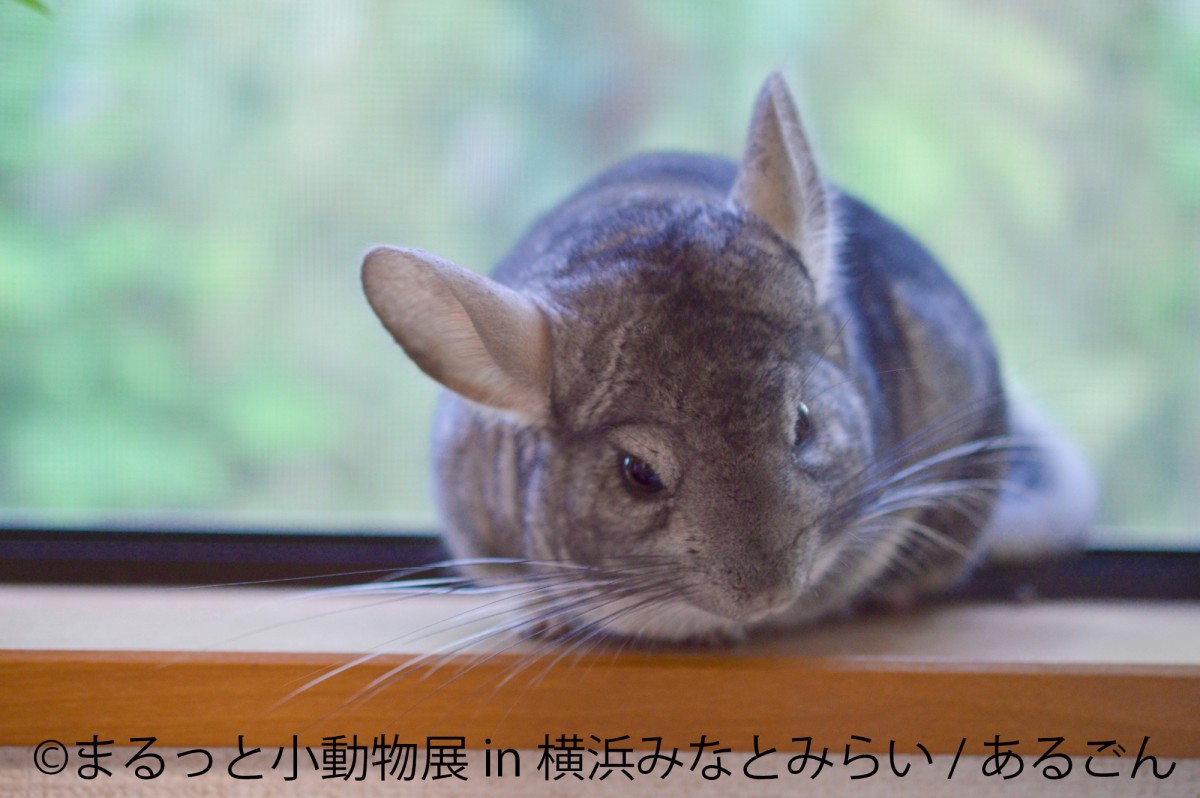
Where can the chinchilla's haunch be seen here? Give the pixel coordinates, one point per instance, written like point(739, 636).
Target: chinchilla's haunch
point(700, 397)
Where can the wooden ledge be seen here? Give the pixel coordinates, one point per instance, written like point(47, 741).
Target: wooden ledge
point(1081, 671)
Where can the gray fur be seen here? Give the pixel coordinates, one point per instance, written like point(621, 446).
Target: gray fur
point(679, 309)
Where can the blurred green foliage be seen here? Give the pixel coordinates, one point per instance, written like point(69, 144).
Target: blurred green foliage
point(36, 5)
point(186, 189)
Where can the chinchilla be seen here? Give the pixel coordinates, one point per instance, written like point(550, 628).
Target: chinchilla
point(700, 397)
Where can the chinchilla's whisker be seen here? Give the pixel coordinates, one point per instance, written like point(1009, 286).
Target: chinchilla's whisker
point(300, 579)
point(900, 490)
point(537, 593)
point(460, 619)
point(391, 592)
point(522, 567)
point(459, 585)
point(835, 338)
point(382, 682)
point(934, 435)
point(880, 560)
point(358, 607)
point(582, 638)
point(995, 449)
point(519, 624)
point(987, 452)
point(908, 558)
point(318, 593)
point(644, 595)
point(584, 628)
point(435, 660)
point(833, 386)
point(517, 594)
point(568, 604)
point(325, 676)
point(592, 636)
point(451, 584)
point(912, 460)
point(934, 496)
point(968, 507)
point(389, 574)
point(381, 649)
point(424, 587)
point(926, 533)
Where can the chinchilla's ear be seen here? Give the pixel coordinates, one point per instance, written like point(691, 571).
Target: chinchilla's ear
point(779, 180)
point(484, 341)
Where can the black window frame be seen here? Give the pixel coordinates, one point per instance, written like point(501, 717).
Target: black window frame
point(283, 558)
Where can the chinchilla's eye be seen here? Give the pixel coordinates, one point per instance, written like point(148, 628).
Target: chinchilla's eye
point(804, 424)
point(639, 475)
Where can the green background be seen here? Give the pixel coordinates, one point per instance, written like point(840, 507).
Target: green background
point(186, 190)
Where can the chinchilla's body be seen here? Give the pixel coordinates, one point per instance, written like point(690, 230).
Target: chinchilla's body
point(700, 397)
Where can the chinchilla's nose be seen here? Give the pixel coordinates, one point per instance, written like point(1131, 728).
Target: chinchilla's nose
point(758, 586)
point(746, 520)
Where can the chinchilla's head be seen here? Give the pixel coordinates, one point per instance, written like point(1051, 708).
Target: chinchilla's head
point(673, 387)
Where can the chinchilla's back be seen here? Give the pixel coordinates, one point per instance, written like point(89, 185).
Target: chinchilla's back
point(596, 215)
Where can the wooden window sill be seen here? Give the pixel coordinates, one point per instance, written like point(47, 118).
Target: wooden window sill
point(200, 667)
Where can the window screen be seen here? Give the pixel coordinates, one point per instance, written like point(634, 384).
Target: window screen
point(186, 190)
